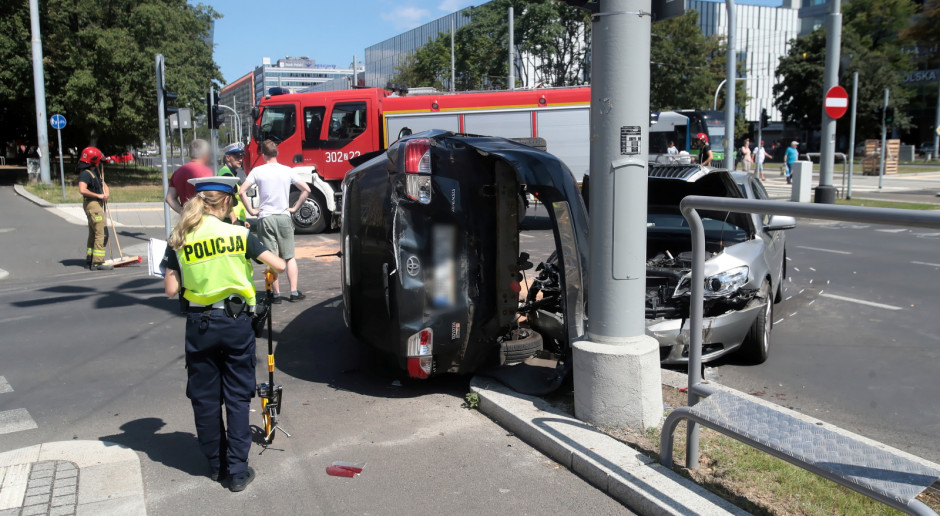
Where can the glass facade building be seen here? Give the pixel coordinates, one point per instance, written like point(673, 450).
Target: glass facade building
point(294, 75)
point(383, 58)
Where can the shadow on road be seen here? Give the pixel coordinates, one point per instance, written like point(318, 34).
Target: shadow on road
point(317, 347)
point(12, 175)
point(132, 292)
point(178, 450)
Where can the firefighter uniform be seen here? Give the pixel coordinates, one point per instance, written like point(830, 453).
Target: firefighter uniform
point(90, 175)
point(216, 275)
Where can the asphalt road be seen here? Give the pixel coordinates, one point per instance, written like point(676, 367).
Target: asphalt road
point(99, 355)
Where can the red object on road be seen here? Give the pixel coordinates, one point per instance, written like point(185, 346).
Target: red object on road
point(344, 469)
point(836, 102)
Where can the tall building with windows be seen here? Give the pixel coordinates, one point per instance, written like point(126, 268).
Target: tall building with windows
point(239, 95)
point(762, 37)
point(294, 74)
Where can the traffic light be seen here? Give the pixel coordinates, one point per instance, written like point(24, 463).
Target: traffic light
point(889, 115)
point(764, 118)
point(168, 98)
point(215, 114)
point(878, 114)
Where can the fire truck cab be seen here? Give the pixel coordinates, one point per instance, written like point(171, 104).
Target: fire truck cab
point(318, 133)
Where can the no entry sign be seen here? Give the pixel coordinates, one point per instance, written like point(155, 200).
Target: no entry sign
point(836, 102)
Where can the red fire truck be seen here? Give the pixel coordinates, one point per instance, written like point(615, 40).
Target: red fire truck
point(318, 133)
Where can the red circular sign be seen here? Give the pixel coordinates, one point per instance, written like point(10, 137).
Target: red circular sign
point(836, 102)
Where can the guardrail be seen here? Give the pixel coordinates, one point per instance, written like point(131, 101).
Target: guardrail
point(871, 471)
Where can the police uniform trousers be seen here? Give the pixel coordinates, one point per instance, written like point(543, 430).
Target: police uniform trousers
point(220, 360)
point(97, 232)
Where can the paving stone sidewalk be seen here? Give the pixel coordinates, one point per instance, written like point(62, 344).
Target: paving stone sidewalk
point(71, 478)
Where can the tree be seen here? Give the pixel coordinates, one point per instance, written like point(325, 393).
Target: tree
point(926, 27)
point(426, 66)
point(871, 43)
point(99, 65)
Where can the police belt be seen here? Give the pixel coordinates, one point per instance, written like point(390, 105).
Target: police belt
point(233, 301)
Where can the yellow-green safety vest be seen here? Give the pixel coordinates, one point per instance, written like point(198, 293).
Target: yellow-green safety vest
point(239, 210)
point(213, 264)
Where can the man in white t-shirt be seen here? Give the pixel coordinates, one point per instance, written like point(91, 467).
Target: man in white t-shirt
point(275, 229)
point(759, 156)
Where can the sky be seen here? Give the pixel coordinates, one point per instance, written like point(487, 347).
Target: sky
point(327, 31)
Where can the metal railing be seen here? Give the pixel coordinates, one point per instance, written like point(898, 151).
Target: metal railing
point(698, 390)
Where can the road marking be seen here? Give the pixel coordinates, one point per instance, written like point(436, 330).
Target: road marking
point(12, 319)
point(899, 230)
point(5, 386)
point(797, 270)
point(523, 235)
point(778, 322)
point(812, 269)
point(928, 264)
point(16, 420)
point(6, 230)
point(861, 301)
point(833, 251)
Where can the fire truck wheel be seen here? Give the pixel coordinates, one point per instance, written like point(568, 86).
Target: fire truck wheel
point(312, 216)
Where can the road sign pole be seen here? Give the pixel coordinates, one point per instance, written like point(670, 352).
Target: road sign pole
point(161, 122)
point(617, 379)
point(825, 192)
point(936, 128)
point(61, 163)
point(884, 138)
point(848, 191)
point(731, 71)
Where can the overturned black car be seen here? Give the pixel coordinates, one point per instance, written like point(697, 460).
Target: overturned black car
point(432, 271)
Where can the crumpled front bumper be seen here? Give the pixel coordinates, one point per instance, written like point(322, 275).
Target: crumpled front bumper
point(722, 335)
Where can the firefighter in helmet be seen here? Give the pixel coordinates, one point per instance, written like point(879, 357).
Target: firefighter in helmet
point(95, 193)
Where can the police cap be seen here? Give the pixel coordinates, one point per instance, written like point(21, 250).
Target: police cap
point(225, 184)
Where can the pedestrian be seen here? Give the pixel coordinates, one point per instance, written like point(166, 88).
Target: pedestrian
point(792, 155)
point(759, 156)
point(232, 157)
point(211, 258)
point(746, 157)
point(704, 150)
point(672, 150)
point(274, 212)
point(95, 193)
point(180, 191)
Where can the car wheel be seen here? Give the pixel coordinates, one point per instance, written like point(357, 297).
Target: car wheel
point(756, 346)
point(523, 345)
point(312, 216)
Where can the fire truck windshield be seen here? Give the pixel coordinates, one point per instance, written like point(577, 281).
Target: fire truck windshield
point(278, 123)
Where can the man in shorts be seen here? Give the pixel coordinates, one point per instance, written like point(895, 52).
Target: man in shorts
point(275, 228)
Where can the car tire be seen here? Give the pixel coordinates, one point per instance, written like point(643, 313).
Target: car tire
point(312, 216)
point(523, 345)
point(756, 345)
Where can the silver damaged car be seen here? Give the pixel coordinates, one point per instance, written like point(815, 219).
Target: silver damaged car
point(745, 266)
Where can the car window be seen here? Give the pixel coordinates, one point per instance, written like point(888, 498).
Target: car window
point(278, 123)
point(347, 121)
point(313, 124)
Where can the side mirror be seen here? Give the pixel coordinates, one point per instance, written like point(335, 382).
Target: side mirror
point(255, 113)
point(779, 222)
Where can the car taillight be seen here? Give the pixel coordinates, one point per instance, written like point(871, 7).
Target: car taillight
point(420, 348)
point(418, 162)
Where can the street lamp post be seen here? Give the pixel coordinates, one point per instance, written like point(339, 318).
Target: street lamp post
point(718, 90)
point(238, 124)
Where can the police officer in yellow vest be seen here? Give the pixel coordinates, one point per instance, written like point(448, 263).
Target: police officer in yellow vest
point(211, 260)
point(232, 156)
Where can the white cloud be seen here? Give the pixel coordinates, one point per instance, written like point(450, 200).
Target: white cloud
point(406, 17)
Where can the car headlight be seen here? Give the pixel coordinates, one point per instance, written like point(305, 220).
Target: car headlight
point(718, 285)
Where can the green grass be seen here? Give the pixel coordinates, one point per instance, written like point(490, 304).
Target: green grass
point(888, 204)
point(128, 183)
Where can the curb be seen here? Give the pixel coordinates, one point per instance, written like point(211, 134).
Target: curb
point(613, 467)
point(21, 191)
point(72, 477)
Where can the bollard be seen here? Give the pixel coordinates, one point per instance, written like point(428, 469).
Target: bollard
point(802, 181)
